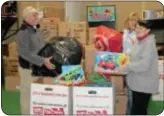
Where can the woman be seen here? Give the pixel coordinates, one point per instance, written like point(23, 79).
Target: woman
point(129, 39)
point(129, 34)
point(142, 71)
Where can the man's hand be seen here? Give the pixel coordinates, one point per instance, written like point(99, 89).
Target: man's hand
point(48, 64)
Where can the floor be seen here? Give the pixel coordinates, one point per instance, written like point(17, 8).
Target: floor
point(10, 104)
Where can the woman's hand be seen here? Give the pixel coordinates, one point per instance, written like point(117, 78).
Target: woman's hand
point(122, 68)
point(48, 63)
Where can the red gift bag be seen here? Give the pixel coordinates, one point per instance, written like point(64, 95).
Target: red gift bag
point(107, 39)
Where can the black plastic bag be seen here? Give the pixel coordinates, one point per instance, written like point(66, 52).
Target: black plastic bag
point(64, 50)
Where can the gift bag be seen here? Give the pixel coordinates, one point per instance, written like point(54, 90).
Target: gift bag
point(107, 39)
point(50, 100)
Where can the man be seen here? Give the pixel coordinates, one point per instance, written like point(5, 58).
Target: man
point(29, 42)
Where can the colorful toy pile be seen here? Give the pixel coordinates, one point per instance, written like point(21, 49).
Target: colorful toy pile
point(72, 75)
point(108, 62)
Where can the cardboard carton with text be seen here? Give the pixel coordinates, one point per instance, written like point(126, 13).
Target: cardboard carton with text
point(50, 100)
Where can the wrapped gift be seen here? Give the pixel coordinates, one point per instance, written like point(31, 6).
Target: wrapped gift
point(108, 62)
point(107, 39)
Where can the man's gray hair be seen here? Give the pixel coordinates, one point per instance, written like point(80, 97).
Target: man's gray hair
point(29, 11)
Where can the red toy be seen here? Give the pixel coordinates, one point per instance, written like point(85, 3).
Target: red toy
point(106, 65)
point(107, 39)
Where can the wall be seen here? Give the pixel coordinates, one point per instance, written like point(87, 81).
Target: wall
point(152, 5)
point(123, 9)
point(72, 11)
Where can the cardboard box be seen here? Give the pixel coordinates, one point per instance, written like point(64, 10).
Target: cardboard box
point(65, 29)
point(49, 27)
point(74, 29)
point(83, 64)
point(12, 73)
point(93, 100)
point(90, 53)
point(50, 100)
point(4, 66)
point(120, 106)
point(48, 80)
point(91, 33)
point(12, 83)
point(80, 32)
point(118, 83)
point(12, 67)
point(54, 12)
point(83, 48)
point(12, 45)
point(12, 48)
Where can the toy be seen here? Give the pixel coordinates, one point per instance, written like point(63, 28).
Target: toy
point(105, 84)
point(71, 75)
point(107, 39)
point(107, 62)
point(95, 77)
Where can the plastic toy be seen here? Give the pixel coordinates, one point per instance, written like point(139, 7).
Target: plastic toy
point(105, 84)
point(95, 77)
point(71, 75)
point(107, 62)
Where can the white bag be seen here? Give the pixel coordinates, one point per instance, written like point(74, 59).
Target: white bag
point(50, 100)
point(93, 100)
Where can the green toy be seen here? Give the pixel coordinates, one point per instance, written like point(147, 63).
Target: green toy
point(97, 78)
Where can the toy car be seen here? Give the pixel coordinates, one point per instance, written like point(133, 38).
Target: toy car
point(106, 65)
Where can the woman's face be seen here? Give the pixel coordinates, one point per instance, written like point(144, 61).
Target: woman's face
point(132, 24)
point(141, 31)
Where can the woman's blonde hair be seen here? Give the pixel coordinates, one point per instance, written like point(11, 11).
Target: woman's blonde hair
point(132, 16)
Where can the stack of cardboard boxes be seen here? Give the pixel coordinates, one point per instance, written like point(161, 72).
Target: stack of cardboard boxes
point(12, 79)
point(54, 12)
point(49, 27)
point(74, 29)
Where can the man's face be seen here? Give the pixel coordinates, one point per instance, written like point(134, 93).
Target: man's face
point(33, 19)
